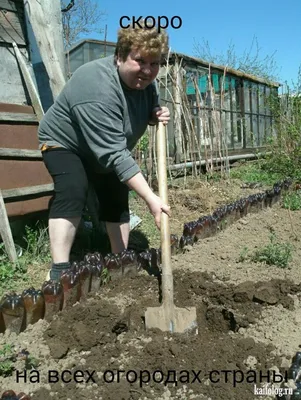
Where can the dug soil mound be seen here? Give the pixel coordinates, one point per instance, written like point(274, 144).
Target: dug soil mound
point(108, 334)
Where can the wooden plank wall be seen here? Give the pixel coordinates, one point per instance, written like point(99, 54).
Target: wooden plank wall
point(12, 29)
point(25, 183)
point(12, 23)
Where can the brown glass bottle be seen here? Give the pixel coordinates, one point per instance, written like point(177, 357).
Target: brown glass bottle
point(8, 395)
point(13, 312)
point(200, 233)
point(70, 282)
point(113, 264)
point(23, 396)
point(53, 297)
point(129, 264)
point(189, 229)
point(84, 272)
point(96, 277)
point(207, 227)
point(2, 324)
point(144, 260)
point(156, 258)
point(93, 258)
point(269, 197)
point(34, 305)
point(174, 244)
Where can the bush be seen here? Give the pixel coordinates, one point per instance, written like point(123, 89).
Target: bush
point(35, 251)
point(292, 201)
point(284, 146)
point(275, 253)
point(6, 360)
point(9, 355)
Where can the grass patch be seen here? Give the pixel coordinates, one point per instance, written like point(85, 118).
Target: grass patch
point(35, 251)
point(253, 172)
point(6, 360)
point(275, 253)
point(9, 355)
point(243, 254)
point(292, 201)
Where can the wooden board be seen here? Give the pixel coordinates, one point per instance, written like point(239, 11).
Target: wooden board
point(30, 85)
point(16, 108)
point(49, 48)
point(17, 117)
point(8, 5)
point(20, 153)
point(11, 88)
point(27, 191)
point(12, 28)
point(5, 232)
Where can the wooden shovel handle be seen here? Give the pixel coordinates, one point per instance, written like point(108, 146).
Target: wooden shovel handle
point(167, 280)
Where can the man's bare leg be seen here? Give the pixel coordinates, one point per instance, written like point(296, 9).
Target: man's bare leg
point(119, 235)
point(62, 233)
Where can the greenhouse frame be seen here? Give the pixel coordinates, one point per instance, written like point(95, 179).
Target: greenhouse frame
point(214, 109)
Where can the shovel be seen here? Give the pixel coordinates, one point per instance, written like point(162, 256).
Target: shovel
point(167, 317)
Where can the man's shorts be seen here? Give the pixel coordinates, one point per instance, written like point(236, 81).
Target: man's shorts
point(71, 181)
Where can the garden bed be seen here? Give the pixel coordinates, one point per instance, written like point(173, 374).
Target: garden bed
point(248, 318)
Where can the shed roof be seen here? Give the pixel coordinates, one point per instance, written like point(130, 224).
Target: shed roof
point(191, 61)
point(195, 62)
point(83, 41)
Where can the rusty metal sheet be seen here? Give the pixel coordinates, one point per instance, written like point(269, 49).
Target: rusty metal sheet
point(19, 136)
point(24, 208)
point(18, 173)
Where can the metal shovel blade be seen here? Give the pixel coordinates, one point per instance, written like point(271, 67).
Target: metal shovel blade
point(177, 320)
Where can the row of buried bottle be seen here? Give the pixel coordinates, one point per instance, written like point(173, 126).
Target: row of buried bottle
point(18, 311)
point(223, 216)
point(11, 395)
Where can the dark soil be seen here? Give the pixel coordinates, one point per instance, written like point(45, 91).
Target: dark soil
point(248, 314)
point(116, 339)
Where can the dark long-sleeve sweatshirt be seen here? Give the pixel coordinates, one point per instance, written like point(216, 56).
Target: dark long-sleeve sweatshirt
point(99, 118)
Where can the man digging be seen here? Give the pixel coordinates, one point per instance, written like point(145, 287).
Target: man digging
point(87, 136)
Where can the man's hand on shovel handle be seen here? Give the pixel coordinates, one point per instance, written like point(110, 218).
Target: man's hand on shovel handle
point(160, 114)
point(156, 207)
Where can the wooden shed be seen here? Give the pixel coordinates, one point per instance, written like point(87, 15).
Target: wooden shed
point(22, 171)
